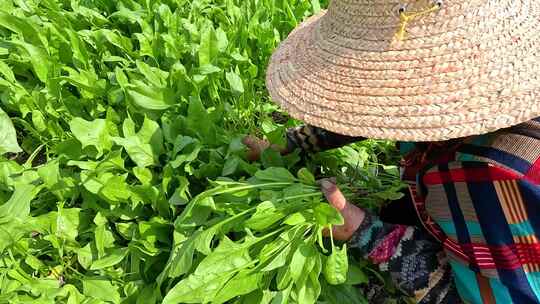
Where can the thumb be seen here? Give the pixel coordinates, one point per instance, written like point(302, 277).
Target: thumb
point(333, 194)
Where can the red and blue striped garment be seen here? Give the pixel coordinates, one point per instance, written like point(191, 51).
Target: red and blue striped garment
point(480, 199)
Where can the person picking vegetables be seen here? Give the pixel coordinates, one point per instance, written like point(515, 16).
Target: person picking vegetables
point(456, 84)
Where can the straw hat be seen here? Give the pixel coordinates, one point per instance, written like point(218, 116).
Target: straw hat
point(412, 70)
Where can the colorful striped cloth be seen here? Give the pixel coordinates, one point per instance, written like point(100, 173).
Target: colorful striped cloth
point(480, 200)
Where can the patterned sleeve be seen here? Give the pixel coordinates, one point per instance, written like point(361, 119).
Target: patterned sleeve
point(314, 139)
point(416, 262)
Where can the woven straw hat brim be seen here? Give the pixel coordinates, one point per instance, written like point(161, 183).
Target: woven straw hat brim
point(468, 69)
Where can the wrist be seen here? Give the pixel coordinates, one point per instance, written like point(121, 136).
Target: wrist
point(354, 217)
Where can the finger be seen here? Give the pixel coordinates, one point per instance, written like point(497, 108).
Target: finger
point(255, 143)
point(250, 142)
point(252, 155)
point(333, 194)
point(326, 232)
point(338, 232)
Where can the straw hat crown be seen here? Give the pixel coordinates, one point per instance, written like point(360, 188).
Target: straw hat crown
point(412, 70)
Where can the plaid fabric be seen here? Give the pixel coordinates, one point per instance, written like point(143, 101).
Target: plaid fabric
point(481, 201)
point(486, 200)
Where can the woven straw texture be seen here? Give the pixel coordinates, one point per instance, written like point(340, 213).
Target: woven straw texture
point(468, 68)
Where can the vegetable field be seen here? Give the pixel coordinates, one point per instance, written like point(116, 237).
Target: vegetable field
point(123, 178)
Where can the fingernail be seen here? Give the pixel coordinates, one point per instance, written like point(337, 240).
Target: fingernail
point(327, 185)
